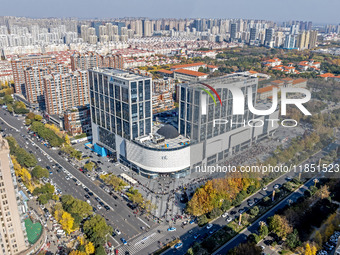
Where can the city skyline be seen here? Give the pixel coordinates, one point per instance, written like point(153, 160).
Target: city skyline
point(276, 11)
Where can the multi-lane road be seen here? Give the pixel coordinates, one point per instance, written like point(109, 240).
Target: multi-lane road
point(119, 216)
point(134, 229)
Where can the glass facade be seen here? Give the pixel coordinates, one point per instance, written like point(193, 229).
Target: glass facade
point(121, 105)
point(199, 127)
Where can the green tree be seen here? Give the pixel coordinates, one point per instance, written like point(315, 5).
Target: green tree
point(254, 211)
point(293, 240)
point(8, 99)
point(202, 220)
point(100, 250)
point(96, 229)
point(39, 172)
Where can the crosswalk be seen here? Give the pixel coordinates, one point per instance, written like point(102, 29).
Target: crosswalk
point(141, 242)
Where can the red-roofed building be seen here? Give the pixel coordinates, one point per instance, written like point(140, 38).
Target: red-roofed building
point(166, 73)
point(192, 67)
point(272, 62)
point(188, 75)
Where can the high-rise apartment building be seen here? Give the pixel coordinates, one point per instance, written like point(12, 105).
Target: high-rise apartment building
point(13, 237)
point(85, 61)
point(20, 64)
point(34, 82)
point(65, 91)
point(269, 36)
point(313, 38)
point(233, 31)
point(92, 60)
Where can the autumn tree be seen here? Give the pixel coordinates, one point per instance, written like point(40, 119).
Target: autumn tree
point(279, 225)
point(66, 222)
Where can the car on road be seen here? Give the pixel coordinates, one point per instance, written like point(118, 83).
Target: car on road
point(209, 226)
point(123, 241)
point(171, 229)
point(107, 208)
point(197, 236)
point(224, 214)
point(229, 219)
point(67, 178)
point(90, 193)
point(241, 210)
point(101, 203)
point(87, 196)
point(88, 201)
point(39, 159)
point(178, 245)
point(86, 189)
point(264, 188)
point(251, 203)
point(276, 186)
point(97, 199)
point(192, 222)
point(99, 207)
point(117, 231)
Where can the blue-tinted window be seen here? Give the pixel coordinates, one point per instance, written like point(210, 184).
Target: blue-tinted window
point(100, 84)
point(147, 126)
point(147, 109)
point(141, 127)
point(140, 90)
point(134, 130)
point(125, 95)
point(105, 85)
point(133, 92)
point(141, 111)
point(112, 106)
point(111, 90)
point(119, 126)
point(147, 90)
point(126, 130)
point(118, 109)
point(134, 112)
point(95, 82)
point(125, 111)
point(90, 80)
point(117, 92)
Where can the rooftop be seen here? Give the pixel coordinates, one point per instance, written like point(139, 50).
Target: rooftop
point(189, 72)
point(163, 136)
point(119, 73)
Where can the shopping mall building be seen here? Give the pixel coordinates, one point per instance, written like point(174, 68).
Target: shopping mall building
point(122, 123)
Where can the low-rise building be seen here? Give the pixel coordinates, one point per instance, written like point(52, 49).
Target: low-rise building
point(188, 75)
point(78, 120)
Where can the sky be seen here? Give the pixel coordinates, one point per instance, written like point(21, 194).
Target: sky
point(318, 11)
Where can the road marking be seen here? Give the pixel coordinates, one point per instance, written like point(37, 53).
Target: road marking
point(143, 222)
point(9, 125)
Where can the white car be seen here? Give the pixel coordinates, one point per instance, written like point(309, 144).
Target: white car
point(224, 214)
point(264, 188)
point(209, 226)
point(276, 186)
point(117, 231)
point(88, 201)
point(99, 207)
point(39, 159)
point(67, 178)
point(229, 219)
